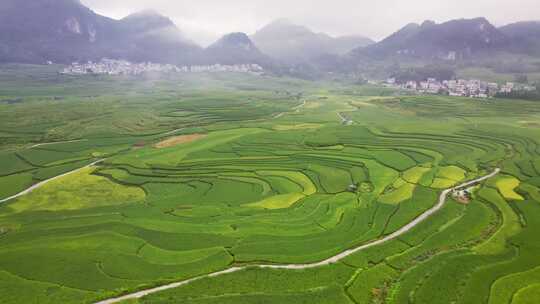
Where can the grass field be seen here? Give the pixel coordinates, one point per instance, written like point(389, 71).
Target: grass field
point(204, 172)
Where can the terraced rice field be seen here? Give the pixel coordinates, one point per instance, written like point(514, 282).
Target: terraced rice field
point(274, 180)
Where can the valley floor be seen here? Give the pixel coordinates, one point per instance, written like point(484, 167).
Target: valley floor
point(254, 190)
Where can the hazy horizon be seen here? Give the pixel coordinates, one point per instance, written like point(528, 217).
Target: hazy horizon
point(206, 20)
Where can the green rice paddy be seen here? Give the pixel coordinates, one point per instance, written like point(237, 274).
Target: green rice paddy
point(275, 181)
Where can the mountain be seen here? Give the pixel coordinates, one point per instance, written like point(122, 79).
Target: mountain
point(235, 48)
point(149, 36)
point(344, 44)
point(452, 40)
point(39, 30)
point(524, 29)
point(147, 20)
point(525, 34)
point(35, 31)
point(291, 43)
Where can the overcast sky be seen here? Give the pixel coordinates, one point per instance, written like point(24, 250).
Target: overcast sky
point(204, 20)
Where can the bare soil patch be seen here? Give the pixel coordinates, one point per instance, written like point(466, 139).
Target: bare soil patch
point(178, 140)
point(530, 124)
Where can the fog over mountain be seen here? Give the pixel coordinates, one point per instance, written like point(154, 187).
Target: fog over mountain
point(293, 44)
point(206, 20)
point(235, 48)
point(450, 40)
point(64, 31)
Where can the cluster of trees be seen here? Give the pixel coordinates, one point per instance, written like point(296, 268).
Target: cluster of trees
point(439, 72)
point(522, 94)
point(525, 95)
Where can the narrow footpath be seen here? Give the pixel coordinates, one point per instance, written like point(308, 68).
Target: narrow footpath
point(42, 183)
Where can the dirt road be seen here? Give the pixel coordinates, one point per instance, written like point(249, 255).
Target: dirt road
point(40, 184)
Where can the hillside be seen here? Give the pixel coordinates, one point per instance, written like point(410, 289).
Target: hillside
point(452, 40)
point(291, 43)
point(526, 35)
point(235, 48)
point(63, 30)
point(35, 31)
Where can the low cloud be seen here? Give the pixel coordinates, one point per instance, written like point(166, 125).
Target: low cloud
point(205, 20)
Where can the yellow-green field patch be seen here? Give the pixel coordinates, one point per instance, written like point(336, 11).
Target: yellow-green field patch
point(313, 105)
point(398, 195)
point(527, 295)
point(307, 185)
point(507, 187)
point(452, 173)
point(78, 190)
point(278, 201)
point(399, 182)
point(414, 174)
point(304, 126)
point(442, 183)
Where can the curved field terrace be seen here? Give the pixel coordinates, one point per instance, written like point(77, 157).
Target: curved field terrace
point(270, 192)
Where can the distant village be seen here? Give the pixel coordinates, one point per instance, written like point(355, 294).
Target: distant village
point(122, 67)
point(460, 87)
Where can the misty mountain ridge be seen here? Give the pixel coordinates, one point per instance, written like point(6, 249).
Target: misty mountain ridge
point(525, 35)
point(452, 40)
point(524, 29)
point(235, 48)
point(63, 31)
point(32, 31)
point(35, 31)
point(291, 43)
point(235, 40)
